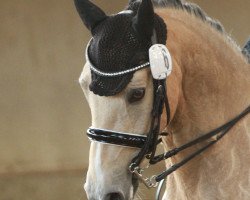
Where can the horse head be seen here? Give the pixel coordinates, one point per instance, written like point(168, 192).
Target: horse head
point(127, 100)
point(121, 103)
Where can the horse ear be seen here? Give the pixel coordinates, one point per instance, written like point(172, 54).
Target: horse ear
point(143, 21)
point(90, 14)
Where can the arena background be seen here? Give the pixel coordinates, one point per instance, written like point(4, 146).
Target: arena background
point(43, 148)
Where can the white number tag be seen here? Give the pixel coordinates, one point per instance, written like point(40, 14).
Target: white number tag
point(160, 61)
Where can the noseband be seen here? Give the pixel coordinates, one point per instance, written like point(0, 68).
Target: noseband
point(161, 65)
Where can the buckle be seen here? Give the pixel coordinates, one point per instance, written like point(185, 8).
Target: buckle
point(149, 182)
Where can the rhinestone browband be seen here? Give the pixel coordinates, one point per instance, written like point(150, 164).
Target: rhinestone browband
point(112, 74)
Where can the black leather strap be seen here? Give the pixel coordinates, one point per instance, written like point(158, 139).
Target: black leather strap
point(218, 132)
point(116, 138)
point(151, 143)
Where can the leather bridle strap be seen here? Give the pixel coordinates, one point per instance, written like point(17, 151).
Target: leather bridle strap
point(219, 132)
point(160, 99)
point(148, 143)
point(116, 138)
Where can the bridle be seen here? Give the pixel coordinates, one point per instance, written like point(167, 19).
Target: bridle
point(148, 143)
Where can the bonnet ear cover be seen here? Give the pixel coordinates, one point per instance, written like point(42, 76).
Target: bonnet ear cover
point(90, 14)
point(120, 42)
point(143, 22)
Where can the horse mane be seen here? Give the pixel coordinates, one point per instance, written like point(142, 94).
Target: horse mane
point(196, 11)
point(191, 8)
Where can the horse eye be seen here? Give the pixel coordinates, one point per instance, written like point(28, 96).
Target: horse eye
point(135, 94)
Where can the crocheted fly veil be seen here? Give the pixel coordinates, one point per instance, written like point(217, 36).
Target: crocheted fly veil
point(120, 42)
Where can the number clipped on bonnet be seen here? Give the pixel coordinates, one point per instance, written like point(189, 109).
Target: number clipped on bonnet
point(160, 61)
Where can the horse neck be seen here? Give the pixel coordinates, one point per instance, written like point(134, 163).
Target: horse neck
point(214, 88)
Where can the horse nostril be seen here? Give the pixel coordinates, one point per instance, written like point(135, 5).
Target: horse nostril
point(114, 196)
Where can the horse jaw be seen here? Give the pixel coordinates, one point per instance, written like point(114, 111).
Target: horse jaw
point(108, 164)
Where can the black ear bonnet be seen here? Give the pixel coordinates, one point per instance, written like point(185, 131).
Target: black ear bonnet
point(119, 44)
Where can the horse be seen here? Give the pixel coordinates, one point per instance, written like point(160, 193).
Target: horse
point(207, 87)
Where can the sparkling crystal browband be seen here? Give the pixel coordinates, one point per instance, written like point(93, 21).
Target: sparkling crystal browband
point(112, 74)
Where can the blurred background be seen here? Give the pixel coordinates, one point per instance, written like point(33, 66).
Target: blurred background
point(43, 147)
